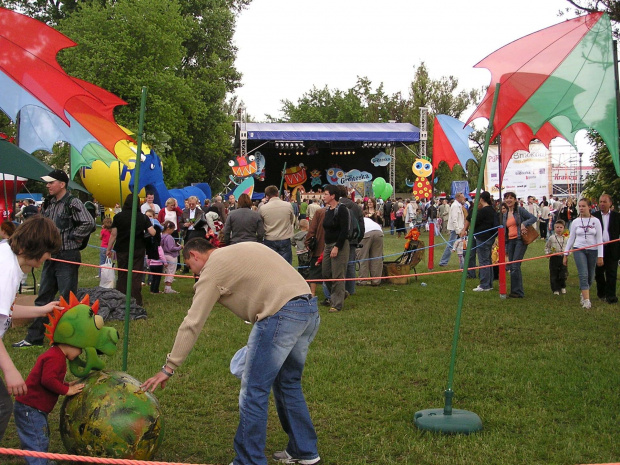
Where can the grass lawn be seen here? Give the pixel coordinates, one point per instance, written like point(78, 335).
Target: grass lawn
point(541, 372)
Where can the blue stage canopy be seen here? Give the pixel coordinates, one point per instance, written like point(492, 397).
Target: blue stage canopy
point(362, 132)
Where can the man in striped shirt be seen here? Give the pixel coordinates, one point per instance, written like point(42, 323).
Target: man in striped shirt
point(75, 225)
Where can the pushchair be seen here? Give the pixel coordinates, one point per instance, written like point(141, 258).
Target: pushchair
point(413, 254)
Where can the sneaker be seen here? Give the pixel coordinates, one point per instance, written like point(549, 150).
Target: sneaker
point(556, 293)
point(586, 304)
point(284, 457)
point(331, 310)
point(23, 344)
point(481, 289)
point(169, 290)
point(326, 303)
point(563, 291)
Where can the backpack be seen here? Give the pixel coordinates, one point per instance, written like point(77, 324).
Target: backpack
point(353, 233)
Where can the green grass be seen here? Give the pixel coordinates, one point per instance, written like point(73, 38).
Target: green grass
point(541, 372)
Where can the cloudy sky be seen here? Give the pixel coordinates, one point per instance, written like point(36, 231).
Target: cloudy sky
point(288, 46)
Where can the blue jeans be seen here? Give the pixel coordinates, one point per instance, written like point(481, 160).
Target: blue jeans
point(102, 258)
point(586, 267)
point(515, 248)
point(282, 248)
point(56, 277)
point(484, 249)
point(276, 355)
point(33, 431)
point(445, 258)
point(349, 286)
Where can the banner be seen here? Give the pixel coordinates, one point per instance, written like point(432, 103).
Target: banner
point(527, 173)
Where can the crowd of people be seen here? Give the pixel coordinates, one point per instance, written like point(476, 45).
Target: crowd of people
point(331, 233)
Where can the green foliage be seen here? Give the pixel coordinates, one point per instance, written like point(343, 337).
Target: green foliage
point(541, 373)
point(363, 104)
point(604, 179)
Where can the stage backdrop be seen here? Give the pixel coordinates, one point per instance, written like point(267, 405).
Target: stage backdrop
point(527, 173)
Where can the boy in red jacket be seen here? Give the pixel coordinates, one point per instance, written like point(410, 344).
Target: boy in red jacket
point(45, 383)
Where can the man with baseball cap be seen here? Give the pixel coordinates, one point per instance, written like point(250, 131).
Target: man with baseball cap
point(75, 225)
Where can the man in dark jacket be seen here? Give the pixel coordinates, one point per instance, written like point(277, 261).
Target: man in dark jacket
point(120, 237)
point(606, 275)
point(358, 214)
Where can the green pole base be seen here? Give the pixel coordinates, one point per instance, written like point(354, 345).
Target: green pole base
point(459, 422)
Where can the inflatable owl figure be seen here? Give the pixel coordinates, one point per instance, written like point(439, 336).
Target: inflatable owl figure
point(422, 188)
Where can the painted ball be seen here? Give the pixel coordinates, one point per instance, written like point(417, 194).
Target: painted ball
point(111, 417)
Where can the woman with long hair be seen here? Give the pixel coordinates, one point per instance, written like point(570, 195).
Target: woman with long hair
point(515, 221)
point(585, 233)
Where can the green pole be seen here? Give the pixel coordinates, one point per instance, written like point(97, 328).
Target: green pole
point(448, 420)
point(282, 180)
point(132, 234)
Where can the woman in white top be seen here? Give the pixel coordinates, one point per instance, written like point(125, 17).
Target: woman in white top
point(585, 231)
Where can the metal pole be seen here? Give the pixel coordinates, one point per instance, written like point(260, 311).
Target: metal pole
point(579, 194)
point(132, 234)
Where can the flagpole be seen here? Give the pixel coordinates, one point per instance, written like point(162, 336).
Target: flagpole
point(449, 420)
point(615, 55)
point(132, 234)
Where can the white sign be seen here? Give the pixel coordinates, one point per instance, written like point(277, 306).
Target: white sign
point(527, 173)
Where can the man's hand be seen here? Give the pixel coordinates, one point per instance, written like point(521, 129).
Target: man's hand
point(565, 260)
point(75, 389)
point(14, 382)
point(334, 252)
point(599, 261)
point(151, 384)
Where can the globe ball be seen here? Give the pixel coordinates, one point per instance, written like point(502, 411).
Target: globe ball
point(111, 417)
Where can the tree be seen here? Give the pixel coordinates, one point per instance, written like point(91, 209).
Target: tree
point(362, 103)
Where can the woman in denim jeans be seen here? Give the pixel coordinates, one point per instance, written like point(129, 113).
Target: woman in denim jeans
point(515, 222)
point(586, 233)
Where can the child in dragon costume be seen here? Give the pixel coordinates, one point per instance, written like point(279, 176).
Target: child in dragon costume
point(74, 329)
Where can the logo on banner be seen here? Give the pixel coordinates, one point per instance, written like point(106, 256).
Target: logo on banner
point(381, 159)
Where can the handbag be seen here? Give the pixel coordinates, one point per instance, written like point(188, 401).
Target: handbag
point(530, 236)
point(108, 278)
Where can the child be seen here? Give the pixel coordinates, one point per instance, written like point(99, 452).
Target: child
point(106, 227)
point(460, 246)
point(171, 252)
point(303, 257)
point(155, 258)
point(45, 383)
point(557, 270)
point(32, 243)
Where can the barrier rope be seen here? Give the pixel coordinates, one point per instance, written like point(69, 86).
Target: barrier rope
point(359, 278)
point(83, 458)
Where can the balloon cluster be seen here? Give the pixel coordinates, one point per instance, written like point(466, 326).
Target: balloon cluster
point(382, 189)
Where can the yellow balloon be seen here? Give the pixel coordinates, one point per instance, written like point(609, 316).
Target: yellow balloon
point(103, 182)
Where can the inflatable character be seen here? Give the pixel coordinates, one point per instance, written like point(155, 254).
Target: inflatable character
point(244, 167)
point(422, 188)
point(334, 175)
point(78, 325)
point(315, 178)
point(294, 177)
point(260, 166)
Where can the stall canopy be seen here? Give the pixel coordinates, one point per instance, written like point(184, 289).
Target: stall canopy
point(352, 132)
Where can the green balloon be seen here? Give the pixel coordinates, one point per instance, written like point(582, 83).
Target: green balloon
point(387, 192)
point(378, 185)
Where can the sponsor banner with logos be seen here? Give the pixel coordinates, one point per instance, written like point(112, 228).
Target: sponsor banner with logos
point(527, 173)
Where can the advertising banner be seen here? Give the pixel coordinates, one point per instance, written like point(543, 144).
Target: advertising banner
point(527, 173)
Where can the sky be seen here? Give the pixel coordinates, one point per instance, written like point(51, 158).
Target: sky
point(285, 47)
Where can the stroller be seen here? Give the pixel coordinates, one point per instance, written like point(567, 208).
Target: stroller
point(413, 254)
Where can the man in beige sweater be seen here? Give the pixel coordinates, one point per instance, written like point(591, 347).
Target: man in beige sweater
point(285, 319)
point(278, 218)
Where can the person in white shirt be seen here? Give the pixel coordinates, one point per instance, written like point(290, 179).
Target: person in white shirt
point(370, 255)
point(150, 204)
point(456, 222)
